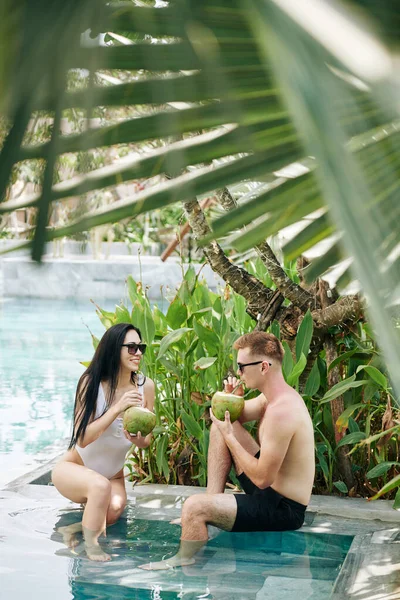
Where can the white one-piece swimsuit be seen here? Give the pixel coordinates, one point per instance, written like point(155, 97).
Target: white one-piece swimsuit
point(106, 455)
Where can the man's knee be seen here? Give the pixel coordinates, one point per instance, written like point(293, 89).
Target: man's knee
point(194, 507)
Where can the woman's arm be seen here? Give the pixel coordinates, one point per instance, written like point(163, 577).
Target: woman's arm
point(149, 393)
point(98, 426)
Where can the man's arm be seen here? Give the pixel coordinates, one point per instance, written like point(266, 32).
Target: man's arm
point(277, 432)
point(253, 409)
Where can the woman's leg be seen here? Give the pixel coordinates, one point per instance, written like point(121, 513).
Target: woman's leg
point(117, 501)
point(82, 485)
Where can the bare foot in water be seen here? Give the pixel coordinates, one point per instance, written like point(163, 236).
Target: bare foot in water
point(183, 558)
point(170, 563)
point(93, 549)
point(177, 521)
point(96, 553)
point(69, 532)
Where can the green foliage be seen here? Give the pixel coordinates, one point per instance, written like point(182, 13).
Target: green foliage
point(190, 353)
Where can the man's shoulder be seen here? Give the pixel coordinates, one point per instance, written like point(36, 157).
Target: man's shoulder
point(284, 406)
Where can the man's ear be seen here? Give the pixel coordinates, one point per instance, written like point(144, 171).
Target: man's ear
point(265, 366)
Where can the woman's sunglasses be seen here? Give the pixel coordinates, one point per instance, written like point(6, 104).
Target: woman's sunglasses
point(133, 347)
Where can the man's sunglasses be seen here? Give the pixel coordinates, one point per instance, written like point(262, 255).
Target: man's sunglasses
point(133, 347)
point(241, 366)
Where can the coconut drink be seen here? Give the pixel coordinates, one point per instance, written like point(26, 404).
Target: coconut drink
point(140, 419)
point(226, 401)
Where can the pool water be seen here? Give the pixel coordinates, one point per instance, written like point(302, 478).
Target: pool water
point(243, 566)
point(41, 345)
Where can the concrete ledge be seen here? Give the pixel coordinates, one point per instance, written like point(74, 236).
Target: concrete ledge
point(354, 508)
point(335, 506)
point(370, 569)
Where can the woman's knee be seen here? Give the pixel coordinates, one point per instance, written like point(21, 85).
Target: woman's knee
point(113, 515)
point(115, 510)
point(99, 488)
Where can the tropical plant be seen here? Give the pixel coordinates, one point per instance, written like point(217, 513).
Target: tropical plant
point(189, 355)
point(239, 89)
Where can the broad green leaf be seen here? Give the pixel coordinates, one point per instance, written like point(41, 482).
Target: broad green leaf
point(122, 314)
point(275, 329)
point(391, 485)
point(143, 319)
point(341, 358)
point(85, 363)
point(396, 504)
point(176, 313)
point(297, 370)
point(172, 338)
point(95, 340)
point(170, 366)
point(313, 381)
point(353, 425)
point(343, 421)
point(161, 455)
point(304, 335)
point(341, 486)
point(340, 388)
point(204, 362)
point(132, 289)
point(106, 317)
point(191, 425)
point(323, 464)
point(375, 374)
point(287, 364)
point(207, 336)
point(381, 469)
point(351, 438)
point(160, 321)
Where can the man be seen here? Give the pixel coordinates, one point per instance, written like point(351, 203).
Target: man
point(276, 472)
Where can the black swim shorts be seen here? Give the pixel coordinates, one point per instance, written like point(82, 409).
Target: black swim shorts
point(266, 510)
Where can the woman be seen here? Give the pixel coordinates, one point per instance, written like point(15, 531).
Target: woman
point(91, 471)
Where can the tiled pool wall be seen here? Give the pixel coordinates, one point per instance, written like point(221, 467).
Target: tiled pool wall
point(83, 277)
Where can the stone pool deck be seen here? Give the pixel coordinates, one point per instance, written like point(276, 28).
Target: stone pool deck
point(371, 570)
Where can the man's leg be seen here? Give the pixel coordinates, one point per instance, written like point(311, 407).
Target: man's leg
point(219, 457)
point(198, 511)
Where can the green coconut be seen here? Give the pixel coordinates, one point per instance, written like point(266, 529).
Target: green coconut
point(223, 401)
point(140, 419)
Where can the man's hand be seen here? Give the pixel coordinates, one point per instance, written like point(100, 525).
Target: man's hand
point(225, 427)
point(229, 385)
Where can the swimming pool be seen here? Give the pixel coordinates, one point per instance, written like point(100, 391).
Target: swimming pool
point(241, 566)
point(41, 344)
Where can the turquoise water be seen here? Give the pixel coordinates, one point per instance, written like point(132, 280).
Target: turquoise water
point(232, 566)
point(41, 345)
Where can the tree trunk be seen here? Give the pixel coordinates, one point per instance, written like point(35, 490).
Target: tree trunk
point(260, 298)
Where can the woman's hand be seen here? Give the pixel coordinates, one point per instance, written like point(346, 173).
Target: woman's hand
point(137, 439)
point(131, 398)
point(229, 385)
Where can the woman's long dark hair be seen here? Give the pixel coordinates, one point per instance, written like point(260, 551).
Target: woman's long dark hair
point(105, 365)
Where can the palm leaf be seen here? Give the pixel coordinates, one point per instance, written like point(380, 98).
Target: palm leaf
point(275, 82)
